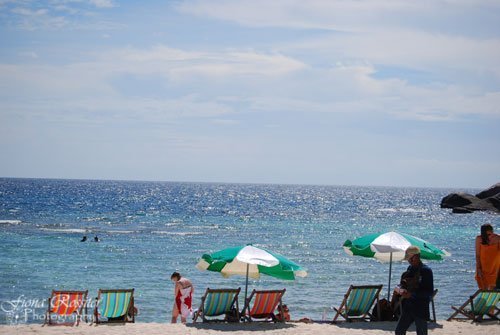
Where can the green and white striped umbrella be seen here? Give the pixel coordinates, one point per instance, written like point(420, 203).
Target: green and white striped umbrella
point(390, 247)
point(250, 261)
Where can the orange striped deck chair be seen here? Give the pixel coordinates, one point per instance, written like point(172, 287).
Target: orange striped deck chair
point(264, 305)
point(65, 305)
point(115, 305)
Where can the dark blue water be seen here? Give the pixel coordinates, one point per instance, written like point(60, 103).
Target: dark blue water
point(149, 229)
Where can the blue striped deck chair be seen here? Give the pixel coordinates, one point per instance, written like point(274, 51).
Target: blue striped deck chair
point(357, 303)
point(216, 302)
point(115, 305)
point(483, 303)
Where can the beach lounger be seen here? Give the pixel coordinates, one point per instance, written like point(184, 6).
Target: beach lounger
point(264, 305)
point(398, 308)
point(114, 305)
point(433, 306)
point(357, 303)
point(480, 304)
point(64, 304)
point(216, 302)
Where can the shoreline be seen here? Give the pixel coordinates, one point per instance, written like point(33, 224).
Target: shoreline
point(291, 328)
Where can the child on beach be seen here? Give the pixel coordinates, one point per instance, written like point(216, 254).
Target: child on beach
point(183, 295)
point(286, 314)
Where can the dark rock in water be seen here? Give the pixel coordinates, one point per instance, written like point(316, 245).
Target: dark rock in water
point(494, 201)
point(487, 200)
point(457, 200)
point(491, 192)
point(461, 210)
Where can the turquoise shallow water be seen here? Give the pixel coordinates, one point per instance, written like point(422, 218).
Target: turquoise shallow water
point(150, 229)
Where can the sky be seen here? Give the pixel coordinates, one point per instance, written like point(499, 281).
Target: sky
point(379, 92)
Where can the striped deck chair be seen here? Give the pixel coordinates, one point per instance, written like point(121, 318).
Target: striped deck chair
point(357, 303)
point(480, 304)
point(398, 307)
point(64, 304)
point(115, 305)
point(264, 305)
point(217, 302)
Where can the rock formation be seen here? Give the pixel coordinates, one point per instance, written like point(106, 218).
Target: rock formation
point(487, 200)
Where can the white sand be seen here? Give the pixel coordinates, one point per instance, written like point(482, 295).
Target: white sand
point(357, 328)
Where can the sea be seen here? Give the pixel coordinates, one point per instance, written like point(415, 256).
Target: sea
point(147, 230)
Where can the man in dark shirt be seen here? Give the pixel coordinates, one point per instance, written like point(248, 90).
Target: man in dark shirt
point(417, 297)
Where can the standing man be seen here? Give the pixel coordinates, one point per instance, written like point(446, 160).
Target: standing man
point(183, 297)
point(417, 297)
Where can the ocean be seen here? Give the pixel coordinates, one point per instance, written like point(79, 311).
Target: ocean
point(147, 230)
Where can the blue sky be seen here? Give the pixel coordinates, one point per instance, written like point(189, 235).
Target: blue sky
point(389, 93)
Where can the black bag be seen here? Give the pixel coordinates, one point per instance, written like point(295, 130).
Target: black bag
point(232, 316)
point(386, 313)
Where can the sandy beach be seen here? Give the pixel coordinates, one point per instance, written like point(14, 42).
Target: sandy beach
point(357, 328)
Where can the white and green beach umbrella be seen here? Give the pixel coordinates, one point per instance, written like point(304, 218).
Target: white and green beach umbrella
point(250, 261)
point(390, 247)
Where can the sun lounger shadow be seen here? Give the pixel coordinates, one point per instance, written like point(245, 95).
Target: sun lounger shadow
point(389, 326)
point(230, 328)
point(66, 304)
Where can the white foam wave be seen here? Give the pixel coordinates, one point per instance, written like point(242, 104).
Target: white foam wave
point(68, 230)
point(390, 210)
point(162, 232)
point(93, 219)
point(10, 221)
point(120, 231)
point(402, 210)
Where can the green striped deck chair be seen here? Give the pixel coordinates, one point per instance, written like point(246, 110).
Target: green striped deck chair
point(217, 302)
point(398, 307)
point(115, 305)
point(357, 303)
point(264, 305)
point(479, 305)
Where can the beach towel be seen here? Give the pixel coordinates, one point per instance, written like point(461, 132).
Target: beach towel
point(184, 300)
point(490, 264)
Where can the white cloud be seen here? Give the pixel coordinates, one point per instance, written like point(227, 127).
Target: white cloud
point(102, 3)
point(29, 12)
point(395, 33)
point(260, 82)
point(29, 54)
point(57, 15)
point(339, 15)
point(411, 49)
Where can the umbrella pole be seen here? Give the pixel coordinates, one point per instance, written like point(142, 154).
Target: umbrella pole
point(389, 285)
point(246, 285)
